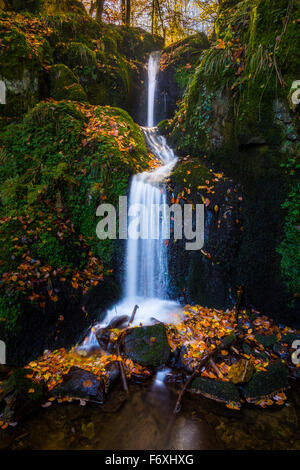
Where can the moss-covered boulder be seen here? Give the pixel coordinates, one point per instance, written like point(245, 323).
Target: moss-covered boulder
point(65, 85)
point(224, 392)
point(147, 345)
point(267, 340)
point(61, 162)
point(24, 54)
point(108, 60)
point(20, 395)
point(264, 384)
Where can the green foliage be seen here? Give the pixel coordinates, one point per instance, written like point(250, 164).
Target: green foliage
point(249, 65)
point(57, 166)
point(10, 310)
point(290, 246)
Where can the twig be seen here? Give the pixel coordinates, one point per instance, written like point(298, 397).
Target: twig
point(196, 372)
point(215, 368)
point(238, 305)
point(123, 375)
point(133, 314)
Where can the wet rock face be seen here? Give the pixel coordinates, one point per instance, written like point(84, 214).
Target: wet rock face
point(147, 345)
point(79, 383)
point(176, 61)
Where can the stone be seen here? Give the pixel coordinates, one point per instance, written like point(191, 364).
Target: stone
point(267, 383)
point(267, 341)
point(224, 392)
point(241, 371)
point(79, 383)
point(147, 345)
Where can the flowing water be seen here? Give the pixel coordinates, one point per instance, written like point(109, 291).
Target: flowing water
point(146, 274)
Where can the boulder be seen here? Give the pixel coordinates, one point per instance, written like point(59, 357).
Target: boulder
point(112, 371)
point(241, 371)
point(264, 384)
point(224, 392)
point(19, 396)
point(147, 345)
point(64, 84)
point(79, 383)
point(266, 340)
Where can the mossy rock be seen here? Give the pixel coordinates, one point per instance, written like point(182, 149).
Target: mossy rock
point(224, 392)
point(190, 175)
point(264, 384)
point(147, 345)
point(289, 338)
point(164, 127)
point(20, 395)
point(76, 93)
point(74, 171)
point(21, 66)
point(64, 84)
point(228, 340)
point(77, 55)
point(267, 340)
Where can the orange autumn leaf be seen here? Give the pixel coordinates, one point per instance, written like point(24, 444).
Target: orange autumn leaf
point(87, 383)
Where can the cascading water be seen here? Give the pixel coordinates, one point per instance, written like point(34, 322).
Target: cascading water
point(146, 280)
point(153, 68)
point(147, 261)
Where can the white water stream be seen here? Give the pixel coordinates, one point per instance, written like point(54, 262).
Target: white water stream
point(146, 279)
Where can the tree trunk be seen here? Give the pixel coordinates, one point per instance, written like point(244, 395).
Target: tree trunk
point(123, 11)
point(128, 12)
point(154, 27)
point(99, 11)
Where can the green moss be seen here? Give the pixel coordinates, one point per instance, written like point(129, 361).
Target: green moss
point(21, 63)
point(190, 175)
point(77, 54)
point(267, 341)
point(147, 345)
point(51, 162)
point(267, 383)
point(220, 391)
point(61, 78)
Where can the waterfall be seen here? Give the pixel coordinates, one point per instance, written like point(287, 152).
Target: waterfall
point(146, 276)
point(153, 68)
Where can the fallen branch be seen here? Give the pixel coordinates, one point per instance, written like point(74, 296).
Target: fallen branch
point(123, 375)
point(133, 314)
point(196, 372)
point(215, 368)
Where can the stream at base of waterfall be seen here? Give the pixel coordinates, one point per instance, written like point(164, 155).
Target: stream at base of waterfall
point(146, 273)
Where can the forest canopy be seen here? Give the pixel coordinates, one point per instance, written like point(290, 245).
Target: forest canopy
point(171, 19)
